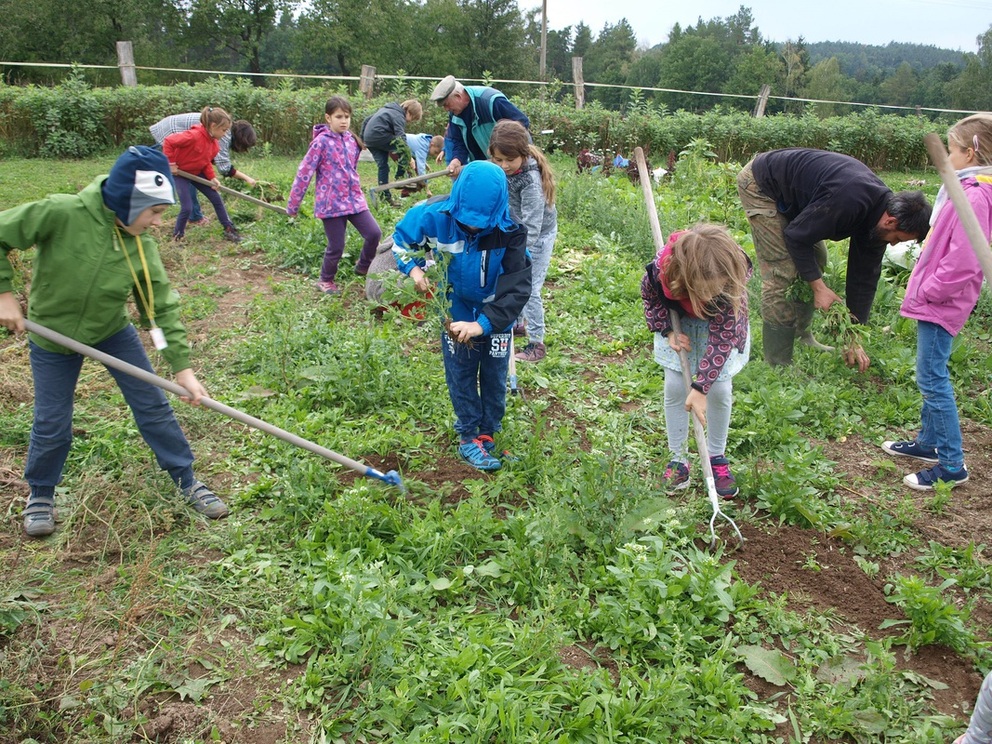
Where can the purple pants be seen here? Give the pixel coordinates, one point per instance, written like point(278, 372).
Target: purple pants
point(334, 228)
point(184, 190)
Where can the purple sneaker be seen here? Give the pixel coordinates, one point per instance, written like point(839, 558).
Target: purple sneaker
point(726, 485)
point(676, 476)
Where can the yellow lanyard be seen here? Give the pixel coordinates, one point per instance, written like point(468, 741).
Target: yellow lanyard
point(147, 302)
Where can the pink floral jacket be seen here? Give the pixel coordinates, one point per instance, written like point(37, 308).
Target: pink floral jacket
point(337, 188)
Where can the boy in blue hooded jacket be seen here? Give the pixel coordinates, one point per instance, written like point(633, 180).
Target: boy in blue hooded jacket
point(487, 284)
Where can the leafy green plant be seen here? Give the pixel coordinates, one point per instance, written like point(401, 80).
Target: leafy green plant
point(932, 618)
point(797, 490)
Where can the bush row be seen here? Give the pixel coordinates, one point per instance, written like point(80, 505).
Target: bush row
point(74, 119)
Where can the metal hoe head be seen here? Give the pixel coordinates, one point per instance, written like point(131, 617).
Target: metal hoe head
point(718, 512)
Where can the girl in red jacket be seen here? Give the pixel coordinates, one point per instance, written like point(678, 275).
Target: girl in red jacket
point(193, 151)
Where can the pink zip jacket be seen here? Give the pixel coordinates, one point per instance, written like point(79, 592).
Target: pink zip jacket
point(947, 279)
point(337, 189)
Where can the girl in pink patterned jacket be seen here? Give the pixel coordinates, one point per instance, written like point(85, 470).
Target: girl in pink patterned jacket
point(338, 195)
point(701, 274)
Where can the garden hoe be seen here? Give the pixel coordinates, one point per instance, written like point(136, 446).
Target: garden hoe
point(392, 477)
point(698, 430)
point(700, 434)
point(232, 192)
point(374, 191)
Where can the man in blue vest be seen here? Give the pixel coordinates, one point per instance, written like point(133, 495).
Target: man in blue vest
point(473, 111)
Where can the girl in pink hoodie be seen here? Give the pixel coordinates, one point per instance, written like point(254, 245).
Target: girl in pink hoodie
point(942, 292)
point(338, 195)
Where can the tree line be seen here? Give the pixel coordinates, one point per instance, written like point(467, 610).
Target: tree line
point(485, 39)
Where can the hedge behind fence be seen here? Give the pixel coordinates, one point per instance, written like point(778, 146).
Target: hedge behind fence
point(74, 119)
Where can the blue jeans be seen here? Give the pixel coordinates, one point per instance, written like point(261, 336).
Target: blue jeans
point(476, 377)
point(940, 427)
point(55, 377)
point(381, 158)
point(533, 312)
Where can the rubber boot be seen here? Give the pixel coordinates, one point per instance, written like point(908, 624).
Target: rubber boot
point(813, 343)
point(804, 327)
point(778, 343)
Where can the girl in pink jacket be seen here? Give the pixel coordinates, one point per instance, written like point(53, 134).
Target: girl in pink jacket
point(942, 292)
point(338, 195)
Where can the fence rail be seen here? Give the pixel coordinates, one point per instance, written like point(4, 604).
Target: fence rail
point(127, 64)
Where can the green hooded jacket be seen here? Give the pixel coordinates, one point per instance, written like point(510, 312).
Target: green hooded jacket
point(81, 281)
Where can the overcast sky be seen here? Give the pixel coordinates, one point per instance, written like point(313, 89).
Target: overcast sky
point(948, 24)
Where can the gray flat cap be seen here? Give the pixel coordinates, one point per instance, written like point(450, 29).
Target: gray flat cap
point(444, 89)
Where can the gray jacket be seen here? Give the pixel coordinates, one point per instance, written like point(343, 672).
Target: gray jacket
point(384, 126)
point(527, 204)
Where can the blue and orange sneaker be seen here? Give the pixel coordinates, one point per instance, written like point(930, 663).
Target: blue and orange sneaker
point(474, 452)
point(489, 445)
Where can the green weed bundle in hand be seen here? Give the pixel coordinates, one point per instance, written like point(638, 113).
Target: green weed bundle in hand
point(840, 326)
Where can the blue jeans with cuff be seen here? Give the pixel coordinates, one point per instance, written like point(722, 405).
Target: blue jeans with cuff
point(941, 427)
point(476, 377)
point(55, 378)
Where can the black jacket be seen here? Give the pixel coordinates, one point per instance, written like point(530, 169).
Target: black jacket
point(828, 196)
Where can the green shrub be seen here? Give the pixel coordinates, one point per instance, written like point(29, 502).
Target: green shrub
point(73, 120)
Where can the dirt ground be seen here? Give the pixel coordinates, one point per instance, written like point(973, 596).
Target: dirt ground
point(775, 557)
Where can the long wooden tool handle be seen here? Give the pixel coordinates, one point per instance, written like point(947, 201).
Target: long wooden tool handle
point(972, 228)
point(659, 243)
point(232, 192)
point(409, 181)
point(172, 387)
point(645, 179)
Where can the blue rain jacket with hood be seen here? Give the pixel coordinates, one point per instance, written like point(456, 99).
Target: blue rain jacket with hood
point(488, 272)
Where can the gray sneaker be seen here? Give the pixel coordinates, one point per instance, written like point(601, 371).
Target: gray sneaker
point(39, 516)
point(205, 501)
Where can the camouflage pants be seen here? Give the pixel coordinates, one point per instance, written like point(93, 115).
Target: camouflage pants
point(774, 262)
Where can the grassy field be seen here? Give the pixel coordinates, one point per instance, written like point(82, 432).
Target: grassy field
point(564, 598)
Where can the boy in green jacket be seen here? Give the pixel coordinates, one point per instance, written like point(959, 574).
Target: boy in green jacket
point(90, 256)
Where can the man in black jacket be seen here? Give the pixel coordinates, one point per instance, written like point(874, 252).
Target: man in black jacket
point(797, 198)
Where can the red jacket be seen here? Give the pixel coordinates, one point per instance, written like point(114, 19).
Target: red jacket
point(193, 151)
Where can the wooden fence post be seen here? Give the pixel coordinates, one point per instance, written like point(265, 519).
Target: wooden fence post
point(580, 91)
point(125, 61)
point(759, 107)
point(366, 83)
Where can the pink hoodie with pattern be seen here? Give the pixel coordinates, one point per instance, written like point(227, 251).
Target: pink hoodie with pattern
point(337, 189)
